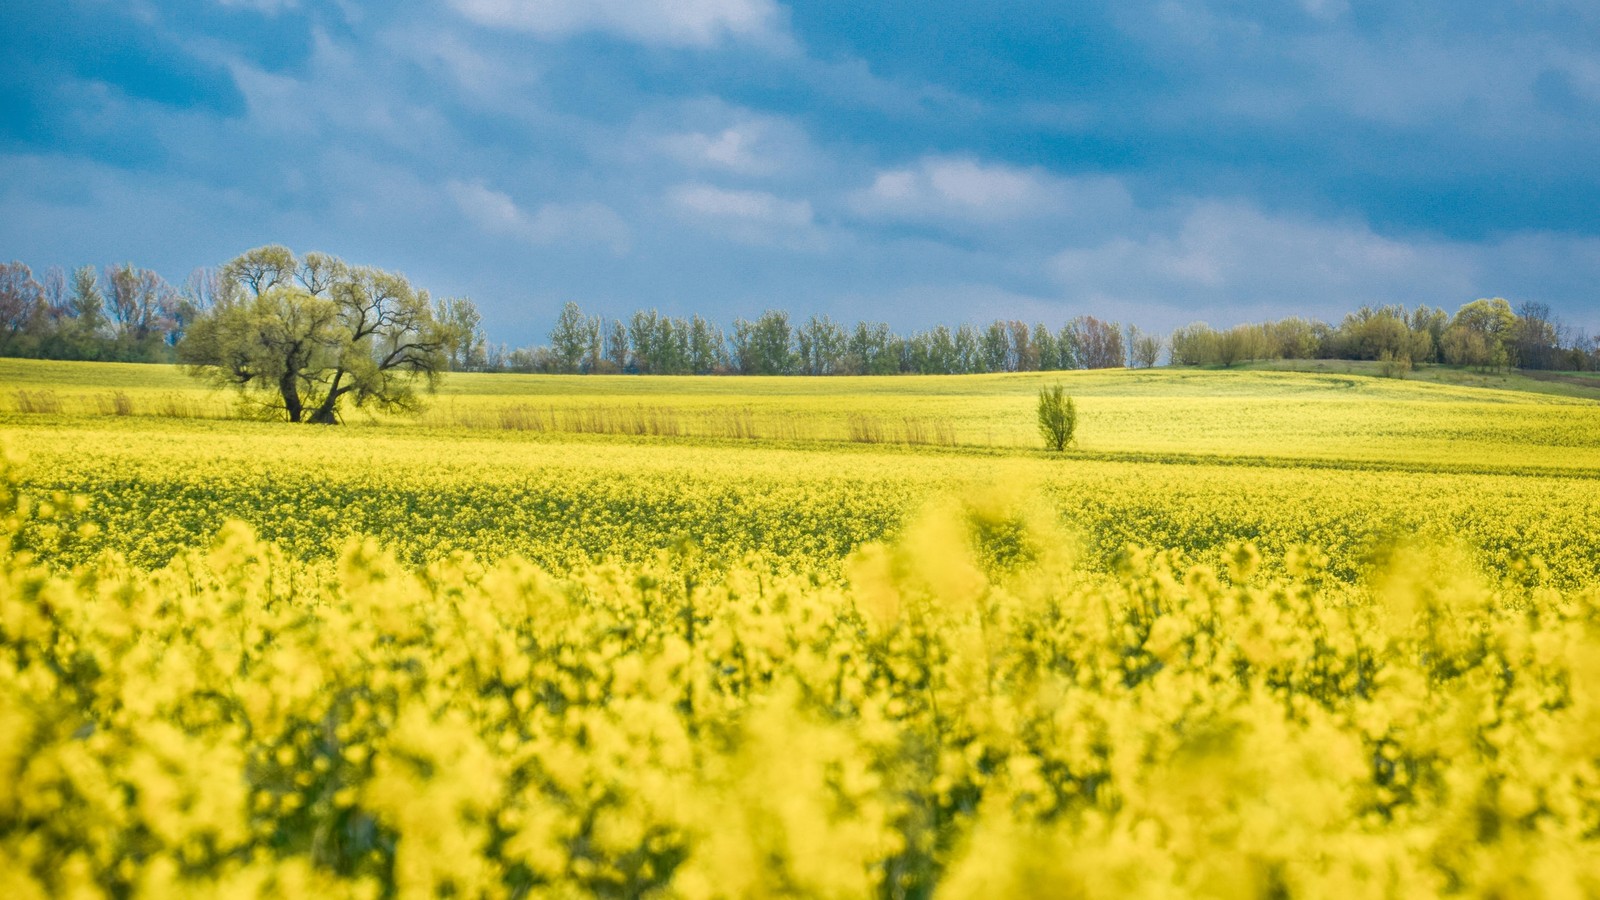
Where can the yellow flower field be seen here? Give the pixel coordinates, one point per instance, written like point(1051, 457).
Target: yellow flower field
point(1261, 634)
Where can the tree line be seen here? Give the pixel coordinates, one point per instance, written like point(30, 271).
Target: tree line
point(123, 313)
point(1485, 334)
point(649, 343)
point(126, 313)
point(120, 313)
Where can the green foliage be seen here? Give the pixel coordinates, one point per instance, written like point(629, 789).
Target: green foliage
point(1392, 365)
point(308, 335)
point(575, 339)
point(1058, 417)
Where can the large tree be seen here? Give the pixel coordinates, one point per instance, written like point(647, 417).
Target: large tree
point(304, 335)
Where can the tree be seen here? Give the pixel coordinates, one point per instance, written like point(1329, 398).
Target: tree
point(573, 338)
point(1058, 417)
point(1044, 344)
point(995, 347)
point(672, 346)
point(1067, 350)
point(821, 346)
point(1097, 344)
point(306, 343)
point(871, 349)
point(264, 268)
point(141, 306)
point(1537, 336)
point(1243, 342)
point(616, 345)
point(1493, 321)
point(968, 356)
point(940, 353)
point(1293, 338)
point(86, 308)
point(21, 301)
point(1369, 333)
point(765, 346)
point(1462, 346)
point(55, 293)
point(643, 328)
point(1428, 325)
point(707, 353)
point(1144, 349)
point(1194, 345)
point(466, 345)
point(1023, 355)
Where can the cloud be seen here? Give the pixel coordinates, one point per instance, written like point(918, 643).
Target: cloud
point(683, 23)
point(1230, 255)
point(964, 189)
point(751, 217)
point(750, 206)
point(497, 214)
point(755, 146)
point(489, 79)
point(1325, 10)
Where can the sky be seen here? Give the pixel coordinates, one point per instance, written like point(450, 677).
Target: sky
point(1146, 161)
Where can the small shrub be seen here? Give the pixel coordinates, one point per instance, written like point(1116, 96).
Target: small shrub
point(1058, 417)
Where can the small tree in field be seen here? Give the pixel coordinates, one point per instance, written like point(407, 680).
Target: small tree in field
point(1058, 417)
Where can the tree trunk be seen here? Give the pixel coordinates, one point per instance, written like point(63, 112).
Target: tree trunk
point(291, 396)
point(325, 414)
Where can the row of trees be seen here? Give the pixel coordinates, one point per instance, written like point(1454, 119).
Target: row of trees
point(126, 313)
point(1487, 334)
point(121, 312)
point(650, 343)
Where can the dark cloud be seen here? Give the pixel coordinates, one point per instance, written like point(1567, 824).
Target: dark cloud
point(904, 161)
point(46, 45)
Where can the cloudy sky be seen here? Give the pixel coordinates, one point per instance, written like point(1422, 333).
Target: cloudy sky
point(911, 161)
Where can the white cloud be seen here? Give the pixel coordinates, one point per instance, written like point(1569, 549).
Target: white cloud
point(341, 98)
point(1232, 256)
point(749, 206)
point(756, 146)
point(1326, 10)
point(496, 213)
point(752, 217)
point(965, 189)
point(483, 75)
point(680, 23)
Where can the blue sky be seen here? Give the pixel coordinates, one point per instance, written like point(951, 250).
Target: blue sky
point(913, 162)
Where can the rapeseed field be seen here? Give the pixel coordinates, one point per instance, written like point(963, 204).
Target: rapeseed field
point(1261, 634)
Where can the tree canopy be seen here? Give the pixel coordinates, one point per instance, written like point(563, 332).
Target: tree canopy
point(303, 335)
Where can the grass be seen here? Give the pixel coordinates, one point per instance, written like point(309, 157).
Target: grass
point(1575, 385)
point(1331, 412)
